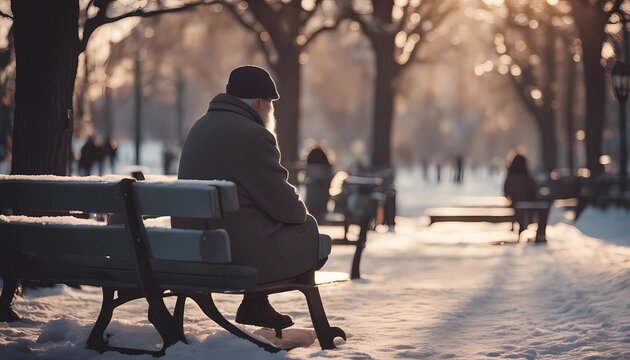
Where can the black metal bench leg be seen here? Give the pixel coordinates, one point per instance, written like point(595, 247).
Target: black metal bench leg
point(208, 307)
point(325, 333)
point(543, 216)
point(165, 324)
point(356, 261)
point(10, 284)
point(95, 340)
point(178, 313)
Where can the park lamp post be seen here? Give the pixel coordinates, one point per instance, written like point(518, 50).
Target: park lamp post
point(621, 85)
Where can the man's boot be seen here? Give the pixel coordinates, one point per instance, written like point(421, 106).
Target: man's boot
point(256, 310)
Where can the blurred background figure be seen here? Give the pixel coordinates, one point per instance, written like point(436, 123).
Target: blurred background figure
point(519, 186)
point(110, 149)
point(5, 138)
point(425, 169)
point(91, 153)
point(168, 157)
point(438, 171)
point(458, 177)
point(317, 181)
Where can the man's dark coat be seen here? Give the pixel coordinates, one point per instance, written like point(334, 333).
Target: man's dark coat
point(272, 229)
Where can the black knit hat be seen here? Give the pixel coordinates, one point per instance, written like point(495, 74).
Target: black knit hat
point(251, 82)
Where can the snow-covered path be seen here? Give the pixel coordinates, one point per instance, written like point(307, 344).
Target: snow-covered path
point(427, 292)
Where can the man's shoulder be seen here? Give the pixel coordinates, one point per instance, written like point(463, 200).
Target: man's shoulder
point(238, 129)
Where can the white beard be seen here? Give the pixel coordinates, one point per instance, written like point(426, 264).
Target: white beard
point(269, 119)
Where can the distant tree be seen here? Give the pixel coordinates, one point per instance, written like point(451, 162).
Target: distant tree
point(591, 18)
point(198, 48)
point(572, 55)
point(284, 29)
point(397, 31)
point(47, 46)
point(526, 47)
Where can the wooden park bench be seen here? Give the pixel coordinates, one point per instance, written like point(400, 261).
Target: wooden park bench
point(496, 215)
point(470, 214)
point(359, 202)
point(129, 261)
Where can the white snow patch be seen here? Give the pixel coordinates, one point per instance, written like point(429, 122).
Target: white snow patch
point(61, 220)
point(612, 223)
point(92, 178)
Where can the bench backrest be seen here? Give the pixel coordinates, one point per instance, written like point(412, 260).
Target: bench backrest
point(82, 251)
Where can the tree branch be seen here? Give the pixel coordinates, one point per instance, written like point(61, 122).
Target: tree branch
point(307, 15)
point(366, 27)
point(403, 20)
point(101, 18)
point(263, 12)
point(5, 15)
point(323, 29)
point(417, 30)
point(251, 27)
point(6, 54)
point(526, 99)
point(527, 80)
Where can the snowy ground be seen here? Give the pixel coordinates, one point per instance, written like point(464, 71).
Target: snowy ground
point(427, 292)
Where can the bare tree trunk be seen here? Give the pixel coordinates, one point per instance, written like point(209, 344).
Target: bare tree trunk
point(548, 141)
point(569, 105)
point(179, 108)
point(595, 109)
point(109, 126)
point(137, 85)
point(591, 22)
point(46, 50)
point(287, 108)
point(383, 101)
point(548, 120)
point(383, 45)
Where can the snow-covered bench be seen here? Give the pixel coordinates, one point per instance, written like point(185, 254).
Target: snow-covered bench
point(359, 200)
point(131, 261)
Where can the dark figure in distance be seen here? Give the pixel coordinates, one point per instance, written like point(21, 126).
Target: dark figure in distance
point(109, 151)
point(519, 186)
point(235, 140)
point(91, 153)
point(438, 172)
point(459, 169)
point(317, 181)
point(425, 169)
point(168, 156)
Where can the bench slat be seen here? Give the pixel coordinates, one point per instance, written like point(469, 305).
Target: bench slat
point(227, 192)
point(56, 241)
point(175, 199)
point(470, 214)
point(171, 275)
point(211, 246)
point(88, 196)
point(50, 240)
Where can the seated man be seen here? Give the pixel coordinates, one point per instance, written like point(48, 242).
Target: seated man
point(235, 140)
point(317, 181)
